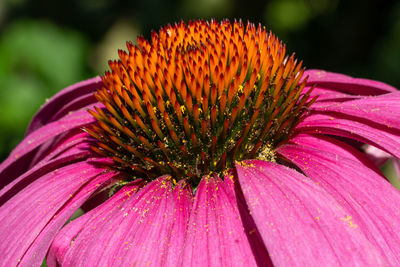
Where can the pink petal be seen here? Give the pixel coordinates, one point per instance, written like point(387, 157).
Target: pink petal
point(45, 150)
point(65, 237)
point(346, 84)
point(71, 142)
point(396, 166)
point(146, 228)
point(337, 147)
point(64, 97)
point(38, 249)
point(215, 235)
point(383, 109)
point(42, 168)
point(75, 104)
point(376, 155)
point(255, 240)
point(74, 120)
point(371, 200)
point(68, 151)
point(183, 200)
point(35, 139)
point(382, 137)
point(301, 224)
point(325, 95)
point(31, 215)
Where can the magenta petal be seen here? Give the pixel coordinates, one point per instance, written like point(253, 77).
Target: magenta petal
point(301, 224)
point(146, 228)
point(376, 155)
point(75, 104)
point(215, 235)
point(396, 166)
point(183, 199)
point(73, 142)
point(74, 120)
point(253, 235)
point(346, 84)
point(372, 201)
point(384, 109)
point(325, 95)
point(46, 149)
point(64, 97)
point(39, 248)
point(70, 155)
point(31, 215)
point(382, 137)
point(64, 238)
point(335, 146)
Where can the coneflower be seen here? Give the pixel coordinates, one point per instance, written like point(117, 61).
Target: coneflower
point(207, 145)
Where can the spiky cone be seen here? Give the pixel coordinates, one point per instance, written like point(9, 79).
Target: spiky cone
point(196, 99)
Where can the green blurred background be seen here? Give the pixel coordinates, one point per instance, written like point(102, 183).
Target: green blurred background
point(46, 45)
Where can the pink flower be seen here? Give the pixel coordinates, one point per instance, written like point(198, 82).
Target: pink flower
point(206, 146)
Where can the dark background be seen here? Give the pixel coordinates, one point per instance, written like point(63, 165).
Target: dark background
point(46, 45)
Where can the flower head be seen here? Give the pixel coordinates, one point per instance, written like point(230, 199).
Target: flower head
point(206, 145)
point(197, 98)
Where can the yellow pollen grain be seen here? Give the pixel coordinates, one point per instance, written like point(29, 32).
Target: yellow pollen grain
point(348, 219)
point(267, 154)
point(245, 164)
point(227, 175)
